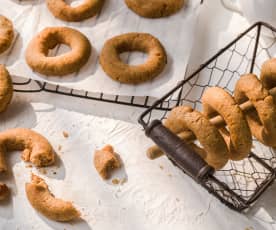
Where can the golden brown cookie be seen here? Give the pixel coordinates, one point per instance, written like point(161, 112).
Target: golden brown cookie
point(36, 148)
point(43, 201)
point(174, 122)
point(214, 149)
point(115, 68)
point(262, 119)
point(268, 74)
point(6, 33)
point(62, 10)
point(106, 160)
point(216, 101)
point(6, 88)
point(252, 97)
point(49, 38)
point(155, 8)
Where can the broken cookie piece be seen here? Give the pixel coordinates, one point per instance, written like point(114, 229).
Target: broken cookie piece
point(105, 160)
point(43, 201)
point(35, 148)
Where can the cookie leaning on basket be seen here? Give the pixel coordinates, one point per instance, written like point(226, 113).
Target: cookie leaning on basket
point(251, 111)
point(115, 68)
point(70, 62)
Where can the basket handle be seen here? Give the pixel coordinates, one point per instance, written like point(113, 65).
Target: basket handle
point(179, 152)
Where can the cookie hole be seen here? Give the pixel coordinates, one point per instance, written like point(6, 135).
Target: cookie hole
point(134, 58)
point(58, 50)
point(75, 3)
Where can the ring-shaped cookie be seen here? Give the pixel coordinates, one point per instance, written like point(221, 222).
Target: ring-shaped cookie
point(214, 149)
point(268, 74)
point(115, 68)
point(6, 88)
point(215, 101)
point(261, 119)
point(60, 9)
point(174, 124)
point(155, 9)
point(6, 33)
point(67, 63)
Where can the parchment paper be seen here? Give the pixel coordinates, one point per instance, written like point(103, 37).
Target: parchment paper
point(156, 195)
point(176, 34)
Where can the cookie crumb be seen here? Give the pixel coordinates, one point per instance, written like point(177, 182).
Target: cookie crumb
point(161, 167)
point(177, 200)
point(54, 173)
point(65, 134)
point(59, 147)
point(170, 175)
point(115, 181)
point(28, 166)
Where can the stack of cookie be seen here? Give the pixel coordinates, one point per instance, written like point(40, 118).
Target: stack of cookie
point(225, 127)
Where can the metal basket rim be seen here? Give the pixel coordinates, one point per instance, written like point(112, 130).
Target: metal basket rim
point(243, 204)
point(201, 67)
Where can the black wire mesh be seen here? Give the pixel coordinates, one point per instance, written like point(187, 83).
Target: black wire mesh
point(23, 85)
point(240, 183)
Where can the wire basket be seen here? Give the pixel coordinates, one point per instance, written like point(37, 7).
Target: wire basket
point(239, 183)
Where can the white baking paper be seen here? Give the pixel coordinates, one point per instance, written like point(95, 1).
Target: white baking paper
point(156, 195)
point(176, 33)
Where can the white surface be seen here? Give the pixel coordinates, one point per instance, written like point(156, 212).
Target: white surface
point(254, 10)
point(115, 19)
point(152, 198)
point(216, 28)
